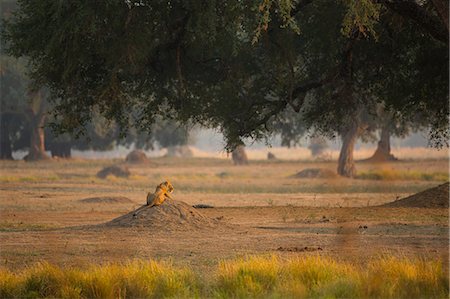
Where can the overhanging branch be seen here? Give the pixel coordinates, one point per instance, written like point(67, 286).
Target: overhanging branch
point(416, 12)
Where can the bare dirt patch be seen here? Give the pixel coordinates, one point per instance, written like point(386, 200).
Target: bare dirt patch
point(257, 209)
point(106, 199)
point(299, 249)
point(115, 170)
point(315, 173)
point(437, 197)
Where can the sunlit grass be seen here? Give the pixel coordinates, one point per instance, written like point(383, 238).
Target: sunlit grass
point(27, 179)
point(322, 277)
point(135, 279)
point(137, 177)
point(20, 226)
point(391, 175)
point(250, 277)
point(392, 278)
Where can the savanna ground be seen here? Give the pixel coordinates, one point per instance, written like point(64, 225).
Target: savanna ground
point(261, 209)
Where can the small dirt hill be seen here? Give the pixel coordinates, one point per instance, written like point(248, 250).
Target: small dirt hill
point(137, 157)
point(106, 199)
point(313, 173)
point(115, 170)
point(172, 215)
point(437, 197)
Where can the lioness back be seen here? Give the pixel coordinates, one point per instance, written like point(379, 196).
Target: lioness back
point(161, 193)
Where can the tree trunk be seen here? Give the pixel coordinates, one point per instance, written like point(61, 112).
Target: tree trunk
point(37, 115)
point(317, 146)
point(5, 142)
point(346, 164)
point(383, 151)
point(239, 156)
point(37, 144)
point(60, 149)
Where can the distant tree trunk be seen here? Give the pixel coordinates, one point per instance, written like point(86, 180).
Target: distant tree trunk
point(37, 120)
point(61, 149)
point(317, 146)
point(239, 156)
point(383, 151)
point(5, 142)
point(37, 147)
point(346, 164)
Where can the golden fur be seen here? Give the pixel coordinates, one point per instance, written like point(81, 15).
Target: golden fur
point(160, 195)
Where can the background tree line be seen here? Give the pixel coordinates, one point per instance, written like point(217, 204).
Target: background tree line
point(249, 68)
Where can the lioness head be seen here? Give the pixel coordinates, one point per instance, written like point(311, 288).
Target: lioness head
point(167, 186)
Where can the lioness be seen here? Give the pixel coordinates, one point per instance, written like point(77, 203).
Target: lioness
point(156, 198)
point(161, 193)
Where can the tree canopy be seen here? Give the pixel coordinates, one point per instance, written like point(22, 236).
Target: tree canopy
point(239, 66)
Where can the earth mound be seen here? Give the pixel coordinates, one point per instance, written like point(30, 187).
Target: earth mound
point(136, 157)
point(315, 173)
point(106, 199)
point(115, 170)
point(437, 197)
point(172, 215)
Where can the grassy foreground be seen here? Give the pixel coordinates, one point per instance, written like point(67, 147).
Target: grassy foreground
point(251, 277)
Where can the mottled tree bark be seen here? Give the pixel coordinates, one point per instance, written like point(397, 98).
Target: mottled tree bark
point(37, 116)
point(239, 156)
point(346, 163)
point(383, 151)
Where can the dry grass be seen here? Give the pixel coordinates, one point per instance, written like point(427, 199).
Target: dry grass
point(251, 277)
point(26, 179)
point(322, 277)
point(135, 279)
point(396, 175)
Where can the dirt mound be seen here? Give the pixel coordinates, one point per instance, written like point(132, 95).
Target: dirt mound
point(115, 170)
point(437, 197)
point(106, 199)
point(314, 173)
point(136, 157)
point(172, 215)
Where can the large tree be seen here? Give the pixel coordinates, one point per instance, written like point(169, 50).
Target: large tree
point(235, 65)
point(23, 107)
point(22, 112)
point(12, 104)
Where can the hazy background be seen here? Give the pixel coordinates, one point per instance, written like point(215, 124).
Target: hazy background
point(209, 143)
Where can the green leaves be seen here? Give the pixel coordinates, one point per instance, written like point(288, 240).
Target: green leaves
point(362, 16)
point(267, 9)
point(232, 65)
